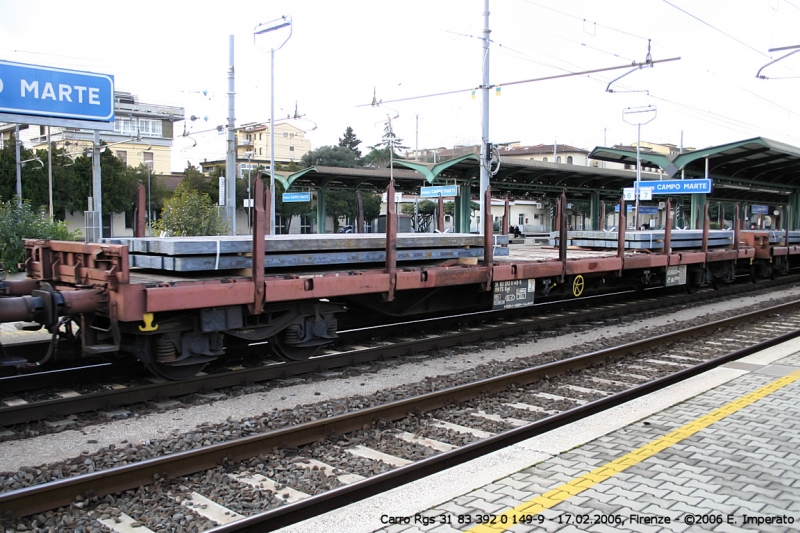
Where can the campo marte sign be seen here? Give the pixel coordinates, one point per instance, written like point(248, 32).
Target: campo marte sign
point(58, 93)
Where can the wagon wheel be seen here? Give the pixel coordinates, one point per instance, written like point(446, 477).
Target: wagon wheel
point(291, 351)
point(578, 284)
point(175, 372)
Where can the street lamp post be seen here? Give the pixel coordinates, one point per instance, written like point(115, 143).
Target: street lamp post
point(638, 112)
point(261, 29)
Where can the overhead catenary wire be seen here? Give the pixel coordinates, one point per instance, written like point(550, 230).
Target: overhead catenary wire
point(584, 20)
point(715, 28)
point(531, 80)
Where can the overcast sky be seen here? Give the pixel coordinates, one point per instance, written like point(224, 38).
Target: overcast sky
point(169, 52)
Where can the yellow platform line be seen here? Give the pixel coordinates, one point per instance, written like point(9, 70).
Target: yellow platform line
point(565, 491)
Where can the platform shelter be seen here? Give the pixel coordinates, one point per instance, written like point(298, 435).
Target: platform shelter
point(761, 174)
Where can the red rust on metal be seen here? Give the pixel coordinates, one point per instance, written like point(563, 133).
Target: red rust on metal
point(440, 215)
point(601, 264)
point(257, 304)
point(213, 293)
point(668, 228)
point(506, 216)
point(360, 216)
point(706, 226)
point(83, 301)
point(543, 269)
point(326, 286)
point(391, 241)
point(722, 255)
point(141, 211)
point(623, 223)
point(19, 287)
point(644, 261)
point(562, 232)
point(488, 238)
point(691, 258)
point(602, 216)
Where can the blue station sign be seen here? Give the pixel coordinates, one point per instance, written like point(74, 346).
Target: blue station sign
point(58, 93)
point(440, 190)
point(698, 186)
point(759, 209)
point(296, 197)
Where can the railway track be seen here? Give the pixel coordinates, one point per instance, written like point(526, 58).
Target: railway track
point(99, 392)
point(274, 478)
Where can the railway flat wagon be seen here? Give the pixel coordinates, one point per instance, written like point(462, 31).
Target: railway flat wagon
point(176, 304)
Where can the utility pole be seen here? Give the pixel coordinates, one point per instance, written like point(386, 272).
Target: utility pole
point(19, 166)
point(230, 163)
point(486, 154)
point(97, 187)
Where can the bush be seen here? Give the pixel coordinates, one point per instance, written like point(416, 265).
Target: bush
point(17, 223)
point(190, 213)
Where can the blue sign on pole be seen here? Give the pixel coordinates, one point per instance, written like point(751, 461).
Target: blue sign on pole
point(53, 92)
point(698, 186)
point(759, 209)
point(648, 210)
point(440, 190)
point(296, 197)
point(628, 207)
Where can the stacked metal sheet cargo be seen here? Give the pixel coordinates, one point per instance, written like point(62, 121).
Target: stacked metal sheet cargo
point(646, 240)
point(197, 254)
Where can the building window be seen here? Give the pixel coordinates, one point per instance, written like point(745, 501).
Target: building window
point(291, 135)
point(125, 126)
point(259, 136)
point(291, 148)
point(522, 218)
point(544, 159)
point(285, 134)
point(123, 156)
point(558, 159)
point(569, 159)
point(150, 128)
point(260, 151)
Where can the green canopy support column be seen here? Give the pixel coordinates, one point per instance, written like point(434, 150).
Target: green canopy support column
point(697, 210)
point(594, 212)
point(462, 206)
point(321, 215)
point(793, 201)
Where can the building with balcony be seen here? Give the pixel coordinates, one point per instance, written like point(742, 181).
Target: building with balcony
point(142, 134)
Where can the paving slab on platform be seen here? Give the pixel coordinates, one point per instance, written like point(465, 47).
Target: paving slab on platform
point(742, 464)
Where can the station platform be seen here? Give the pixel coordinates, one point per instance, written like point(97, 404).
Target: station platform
point(718, 452)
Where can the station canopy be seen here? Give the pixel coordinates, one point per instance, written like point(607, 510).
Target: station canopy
point(755, 170)
point(752, 171)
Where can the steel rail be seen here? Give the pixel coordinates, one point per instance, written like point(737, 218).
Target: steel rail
point(109, 399)
point(47, 496)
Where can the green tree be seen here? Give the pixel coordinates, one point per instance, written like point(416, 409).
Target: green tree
point(33, 174)
point(159, 192)
point(372, 205)
point(119, 184)
point(426, 210)
point(329, 156)
point(351, 142)
point(194, 180)
point(340, 204)
point(450, 208)
point(17, 223)
point(384, 152)
point(190, 213)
